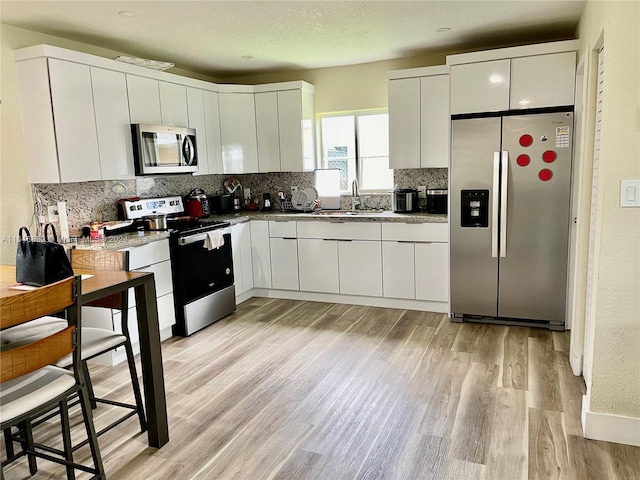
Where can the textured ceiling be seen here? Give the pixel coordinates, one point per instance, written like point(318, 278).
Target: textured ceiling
point(215, 37)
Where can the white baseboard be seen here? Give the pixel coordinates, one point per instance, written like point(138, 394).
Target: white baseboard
point(610, 428)
point(424, 306)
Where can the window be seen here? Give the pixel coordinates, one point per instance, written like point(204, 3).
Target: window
point(357, 143)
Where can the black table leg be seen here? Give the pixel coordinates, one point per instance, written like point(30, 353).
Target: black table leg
point(151, 359)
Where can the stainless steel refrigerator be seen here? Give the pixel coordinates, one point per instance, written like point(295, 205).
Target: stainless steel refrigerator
point(510, 181)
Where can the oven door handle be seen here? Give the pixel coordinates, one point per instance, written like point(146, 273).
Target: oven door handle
point(182, 241)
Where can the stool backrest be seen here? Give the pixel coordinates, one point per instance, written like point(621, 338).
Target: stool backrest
point(100, 259)
point(31, 305)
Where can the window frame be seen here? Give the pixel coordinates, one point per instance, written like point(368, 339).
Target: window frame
point(356, 114)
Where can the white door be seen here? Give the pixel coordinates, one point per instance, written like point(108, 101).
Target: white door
point(212, 134)
point(435, 121)
point(238, 133)
point(404, 123)
point(432, 271)
point(173, 104)
point(195, 110)
point(75, 122)
point(113, 124)
point(260, 254)
point(360, 267)
point(144, 100)
point(290, 123)
point(284, 263)
point(267, 132)
point(480, 87)
point(318, 265)
point(244, 234)
point(398, 270)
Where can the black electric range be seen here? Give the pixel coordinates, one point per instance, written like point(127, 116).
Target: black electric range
point(201, 262)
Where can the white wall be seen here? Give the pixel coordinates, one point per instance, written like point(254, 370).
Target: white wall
point(613, 347)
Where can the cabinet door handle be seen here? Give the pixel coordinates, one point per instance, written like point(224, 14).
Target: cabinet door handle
point(289, 238)
point(343, 240)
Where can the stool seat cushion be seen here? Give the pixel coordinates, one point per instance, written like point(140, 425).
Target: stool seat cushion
point(94, 340)
point(22, 394)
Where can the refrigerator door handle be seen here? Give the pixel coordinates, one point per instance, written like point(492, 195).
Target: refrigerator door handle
point(495, 204)
point(503, 202)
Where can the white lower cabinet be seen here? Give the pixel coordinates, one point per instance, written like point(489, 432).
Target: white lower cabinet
point(360, 264)
point(284, 263)
point(260, 254)
point(416, 261)
point(318, 265)
point(152, 257)
point(398, 267)
point(241, 250)
point(432, 271)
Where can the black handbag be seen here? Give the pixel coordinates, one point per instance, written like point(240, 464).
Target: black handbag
point(41, 263)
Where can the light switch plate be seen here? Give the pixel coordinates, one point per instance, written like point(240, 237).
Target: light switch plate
point(422, 192)
point(52, 213)
point(630, 193)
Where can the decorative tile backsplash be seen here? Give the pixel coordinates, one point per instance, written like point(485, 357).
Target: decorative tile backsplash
point(96, 201)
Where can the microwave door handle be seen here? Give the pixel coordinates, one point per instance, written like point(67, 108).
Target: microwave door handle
point(188, 150)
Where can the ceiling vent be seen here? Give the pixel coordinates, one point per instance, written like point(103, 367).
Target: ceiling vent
point(143, 62)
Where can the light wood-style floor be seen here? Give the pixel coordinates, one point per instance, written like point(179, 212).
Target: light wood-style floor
point(294, 390)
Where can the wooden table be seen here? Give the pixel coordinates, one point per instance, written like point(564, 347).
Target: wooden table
point(102, 284)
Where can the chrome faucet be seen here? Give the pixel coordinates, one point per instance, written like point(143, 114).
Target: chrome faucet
point(355, 196)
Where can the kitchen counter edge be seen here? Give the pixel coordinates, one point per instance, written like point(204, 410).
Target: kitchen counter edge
point(134, 239)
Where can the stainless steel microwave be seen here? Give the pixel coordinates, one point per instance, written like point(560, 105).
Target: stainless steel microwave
point(160, 149)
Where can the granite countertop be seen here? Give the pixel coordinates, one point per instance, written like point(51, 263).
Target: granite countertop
point(122, 240)
point(337, 215)
point(134, 239)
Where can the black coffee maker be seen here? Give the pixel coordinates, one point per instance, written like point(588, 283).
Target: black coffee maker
point(267, 206)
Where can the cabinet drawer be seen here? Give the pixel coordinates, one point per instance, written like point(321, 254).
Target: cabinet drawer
point(415, 232)
point(166, 317)
point(282, 229)
point(153, 252)
point(162, 275)
point(339, 231)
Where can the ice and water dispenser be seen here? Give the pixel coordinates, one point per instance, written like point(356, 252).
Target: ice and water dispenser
point(474, 208)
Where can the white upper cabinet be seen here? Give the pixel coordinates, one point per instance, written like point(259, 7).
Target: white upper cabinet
point(157, 103)
point(173, 105)
point(267, 132)
point(77, 141)
point(543, 81)
point(480, 87)
point(238, 132)
point(284, 125)
point(295, 122)
point(195, 110)
point(212, 131)
point(77, 111)
point(144, 100)
point(419, 118)
point(112, 124)
point(58, 121)
point(434, 121)
point(515, 78)
point(404, 123)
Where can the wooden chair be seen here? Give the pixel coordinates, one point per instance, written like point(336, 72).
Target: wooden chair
point(96, 341)
point(30, 385)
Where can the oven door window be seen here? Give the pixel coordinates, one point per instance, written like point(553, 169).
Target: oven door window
point(199, 272)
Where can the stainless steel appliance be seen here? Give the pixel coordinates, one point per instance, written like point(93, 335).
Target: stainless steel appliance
point(509, 219)
point(404, 200)
point(160, 149)
point(437, 201)
point(203, 280)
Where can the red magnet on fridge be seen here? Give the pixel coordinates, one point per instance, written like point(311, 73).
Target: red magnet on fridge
point(523, 160)
point(545, 174)
point(549, 156)
point(526, 140)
